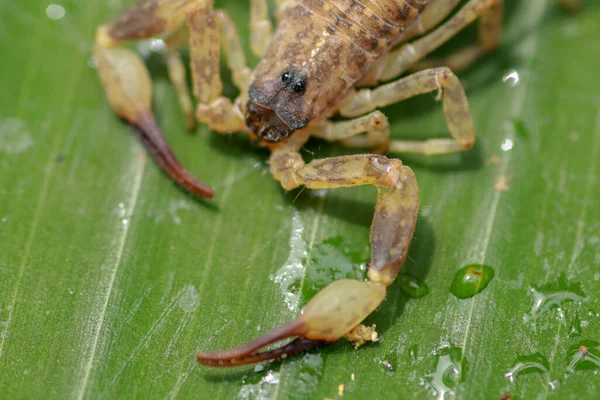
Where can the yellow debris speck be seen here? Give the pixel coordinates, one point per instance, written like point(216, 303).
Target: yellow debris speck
point(352, 377)
point(341, 389)
point(501, 184)
point(361, 334)
point(494, 160)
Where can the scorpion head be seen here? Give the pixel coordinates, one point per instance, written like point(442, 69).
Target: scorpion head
point(302, 76)
point(276, 107)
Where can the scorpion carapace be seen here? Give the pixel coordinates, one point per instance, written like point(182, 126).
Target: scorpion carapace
point(319, 51)
point(310, 70)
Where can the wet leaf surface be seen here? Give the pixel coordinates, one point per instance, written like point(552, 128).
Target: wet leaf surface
point(111, 278)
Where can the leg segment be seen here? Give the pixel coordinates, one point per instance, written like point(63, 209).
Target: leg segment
point(177, 74)
point(127, 83)
point(435, 13)
point(342, 305)
point(209, 30)
point(454, 100)
point(408, 55)
point(375, 124)
point(260, 26)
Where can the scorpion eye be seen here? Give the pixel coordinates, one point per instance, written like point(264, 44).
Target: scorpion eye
point(300, 86)
point(285, 77)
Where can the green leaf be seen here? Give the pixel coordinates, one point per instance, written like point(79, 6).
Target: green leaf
point(112, 278)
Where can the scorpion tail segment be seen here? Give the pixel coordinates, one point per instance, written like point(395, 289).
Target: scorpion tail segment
point(330, 315)
point(127, 85)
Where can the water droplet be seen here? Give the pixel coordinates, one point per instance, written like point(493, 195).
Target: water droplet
point(333, 259)
point(575, 326)
point(14, 136)
point(55, 12)
point(309, 373)
point(121, 211)
point(413, 353)
point(584, 355)
point(507, 145)
point(147, 47)
point(520, 128)
point(188, 299)
point(92, 62)
point(264, 389)
point(412, 286)
point(449, 372)
point(303, 375)
point(511, 78)
point(387, 364)
point(553, 295)
point(534, 363)
point(471, 280)
point(291, 274)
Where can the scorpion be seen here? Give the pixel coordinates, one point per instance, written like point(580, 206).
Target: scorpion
point(313, 66)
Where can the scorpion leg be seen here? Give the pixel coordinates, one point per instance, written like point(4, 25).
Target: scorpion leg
point(454, 100)
point(375, 124)
point(260, 26)
point(435, 13)
point(408, 55)
point(340, 307)
point(490, 35)
point(177, 73)
point(209, 31)
point(127, 82)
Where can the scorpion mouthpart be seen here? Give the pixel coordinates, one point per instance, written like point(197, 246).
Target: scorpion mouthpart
point(154, 141)
point(251, 354)
point(266, 123)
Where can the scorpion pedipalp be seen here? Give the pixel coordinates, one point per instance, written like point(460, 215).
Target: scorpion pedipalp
point(129, 91)
point(330, 315)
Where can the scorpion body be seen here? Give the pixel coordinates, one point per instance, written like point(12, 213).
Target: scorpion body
point(311, 68)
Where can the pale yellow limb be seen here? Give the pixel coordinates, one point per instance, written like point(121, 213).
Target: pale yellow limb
point(454, 101)
point(234, 53)
point(148, 18)
point(178, 78)
point(209, 30)
point(344, 304)
point(127, 83)
point(397, 205)
point(435, 13)
point(391, 232)
point(260, 26)
point(375, 125)
point(129, 91)
point(408, 55)
point(490, 35)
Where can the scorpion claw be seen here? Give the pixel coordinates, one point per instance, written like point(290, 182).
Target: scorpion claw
point(250, 353)
point(330, 315)
point(128, 88)
point(243, 356)
point(152, 138)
